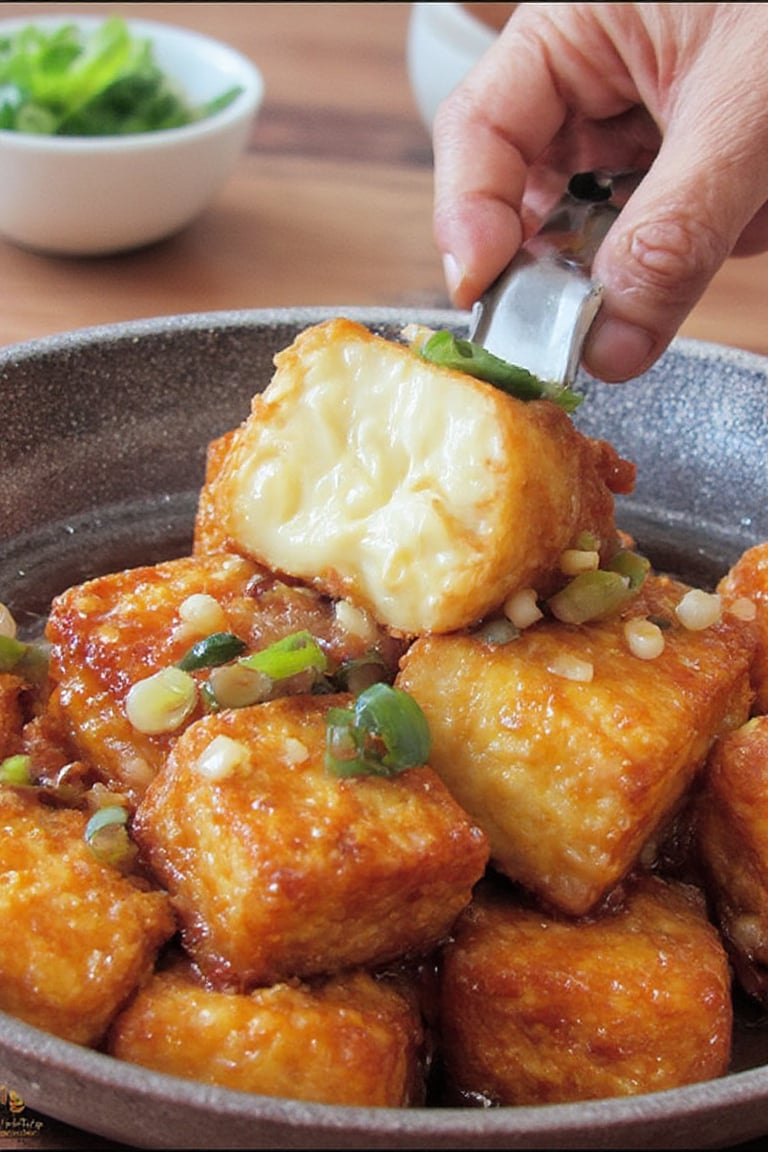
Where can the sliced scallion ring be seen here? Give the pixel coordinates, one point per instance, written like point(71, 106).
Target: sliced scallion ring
point(630, 564)
point(16, 770)
point(11, 652)
point(590, 596)
point(218, 648)
point(107, 836)
point(385, 732)
point(294, 653)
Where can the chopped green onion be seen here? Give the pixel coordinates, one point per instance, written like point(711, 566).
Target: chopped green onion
point(11, 652)
point(107, 837)
point(161, 702)
point(68, 81)
point(234, 686)
point(590, 596)
point(384, 733)
point(449, 351)
point(27, 660)
point(218, 648)
point(356, 675)
point(295, 653)
point(630, 564)
point(498, 630)
point(586, 541)
point(16, 770)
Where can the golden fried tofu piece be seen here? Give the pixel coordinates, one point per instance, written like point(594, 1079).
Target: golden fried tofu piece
point(11, 713)
point(731, 822)
point(570, 777)
point(76, 936)
point(209, 535)
point(419, 493)
point(539, 1009)
point(350, 1039)
point(111, 632)
point(277, 868)
point(747, 580)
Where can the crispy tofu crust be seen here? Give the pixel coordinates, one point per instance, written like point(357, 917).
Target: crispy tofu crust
point(278, 869)
point(731, 823)
point(748, 578)
point(11, 714)
point(115, 630)
point(569, 779)
point(350, 1039)
point(76, 937)
point(421, 494)
point(537, 1009)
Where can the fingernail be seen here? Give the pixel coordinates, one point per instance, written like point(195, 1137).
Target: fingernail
point(617, 350)
point(453, 273)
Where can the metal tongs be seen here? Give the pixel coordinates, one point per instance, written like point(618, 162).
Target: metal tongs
point(536, 315)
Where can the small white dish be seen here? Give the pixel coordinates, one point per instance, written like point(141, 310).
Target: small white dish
point(96, 195)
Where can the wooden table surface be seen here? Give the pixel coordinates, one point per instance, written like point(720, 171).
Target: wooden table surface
point(331, 205)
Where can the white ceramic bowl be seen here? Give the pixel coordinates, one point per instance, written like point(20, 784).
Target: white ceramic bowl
point(90, 196)
point(443, 42)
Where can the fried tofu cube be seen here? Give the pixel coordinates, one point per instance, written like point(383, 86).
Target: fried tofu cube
point(540, 1009)
point(115, 630)
point(76, 936)
point(110, 633)
point(348, 1039)
point(731, 822)
point(279, 869)
point(419, 493)
point(571, 777)
point(745, 587)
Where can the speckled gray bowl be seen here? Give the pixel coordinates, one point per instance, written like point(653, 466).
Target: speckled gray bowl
point(101, 457)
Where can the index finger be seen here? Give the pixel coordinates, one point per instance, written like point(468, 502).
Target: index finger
point(498, 122)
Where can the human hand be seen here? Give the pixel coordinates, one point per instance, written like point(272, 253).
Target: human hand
point(679, 90)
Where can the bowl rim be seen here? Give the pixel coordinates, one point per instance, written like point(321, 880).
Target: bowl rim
point(170, 323)
point(249, 76)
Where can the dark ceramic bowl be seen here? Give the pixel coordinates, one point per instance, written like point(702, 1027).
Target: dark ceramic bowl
point(101, 457)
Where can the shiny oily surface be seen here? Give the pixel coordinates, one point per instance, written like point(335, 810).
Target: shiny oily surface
point(100, 463)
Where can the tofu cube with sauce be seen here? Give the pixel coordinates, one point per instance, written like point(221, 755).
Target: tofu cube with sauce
point(745, 588)
point(278, 869)
point(569, 750)
point(731, 823)
point(350, 1039)
point(115, 631)
point(422, 494)
point(77, 937)
point(538, 1008)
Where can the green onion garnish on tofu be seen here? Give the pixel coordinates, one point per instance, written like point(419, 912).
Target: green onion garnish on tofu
point(383, 733)
point(295, 653)
point(218, 648)
point(449, 351)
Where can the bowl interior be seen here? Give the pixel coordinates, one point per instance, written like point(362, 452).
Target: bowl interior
point(101, 460)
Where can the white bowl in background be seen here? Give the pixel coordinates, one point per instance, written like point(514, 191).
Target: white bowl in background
point(95, 195)
point(443, 42)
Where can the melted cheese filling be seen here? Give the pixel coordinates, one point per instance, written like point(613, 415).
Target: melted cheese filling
point(380, 470)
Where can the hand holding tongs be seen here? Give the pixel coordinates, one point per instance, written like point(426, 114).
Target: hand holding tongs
point(538, 312)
